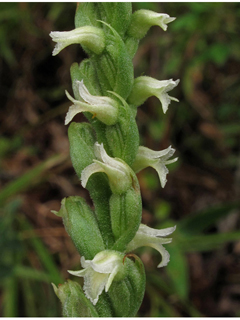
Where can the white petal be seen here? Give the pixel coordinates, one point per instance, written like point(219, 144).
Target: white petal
point(111, 162)
point(88, 171)
point(85, 94)
point(85, 263)
point(58, 47)
point(72, 111)
point(171, 161)
point(106, 261)
point(111, 277)
point(164, 253)
point(91, 99)
point(151, 154)
point(79, 273)
point(165, 18)
point(155, 232)
point(112, 167)
point(165, 101)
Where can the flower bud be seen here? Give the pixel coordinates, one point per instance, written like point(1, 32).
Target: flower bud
point(118, 172)
point(145, 87)
point(91, 37)
point(142, 20)
point(104, 108)
point(81, 224)
point(155, 159)
point(74, 302)
point(126, 215)
point(81, 138)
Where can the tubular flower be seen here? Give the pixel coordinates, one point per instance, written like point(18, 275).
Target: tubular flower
point(142, 20)
point(145, 87)
point(91, 37)
point(155, 159)
point(100, 272)
point(147, 236)
point(118, 172)
point(105, 108)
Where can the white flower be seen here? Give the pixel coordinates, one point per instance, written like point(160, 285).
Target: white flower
point(143, 19)
point(104, 108)
point(155, 159)
point(91, 37)
point(100, 272)
point(145, 87)
point(147, 236)
point(160, 19)
point(118, 172)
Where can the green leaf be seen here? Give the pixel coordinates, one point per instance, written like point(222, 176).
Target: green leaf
point(177, 270)
point(29, 178)
point(198, 222)
point(204, 243)
point(43, 253)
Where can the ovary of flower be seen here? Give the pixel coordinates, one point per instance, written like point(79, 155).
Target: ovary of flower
point(92, 37)
point(155, 159)
point(100, 272)
point(147, 236)
point(118, 172)
point(105, 108)
point(145, 87)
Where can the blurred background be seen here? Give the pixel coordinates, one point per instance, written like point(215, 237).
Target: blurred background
point(202, 49)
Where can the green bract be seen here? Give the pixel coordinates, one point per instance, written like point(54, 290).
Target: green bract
point(106, 156)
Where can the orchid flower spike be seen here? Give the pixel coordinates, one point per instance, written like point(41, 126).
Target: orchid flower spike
point(91, 37)
point(104, 108)
point(100, 272)
point(147, 236)
point(118, 172)
point(145, 87)
point(155, 159)
point(142, 20)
